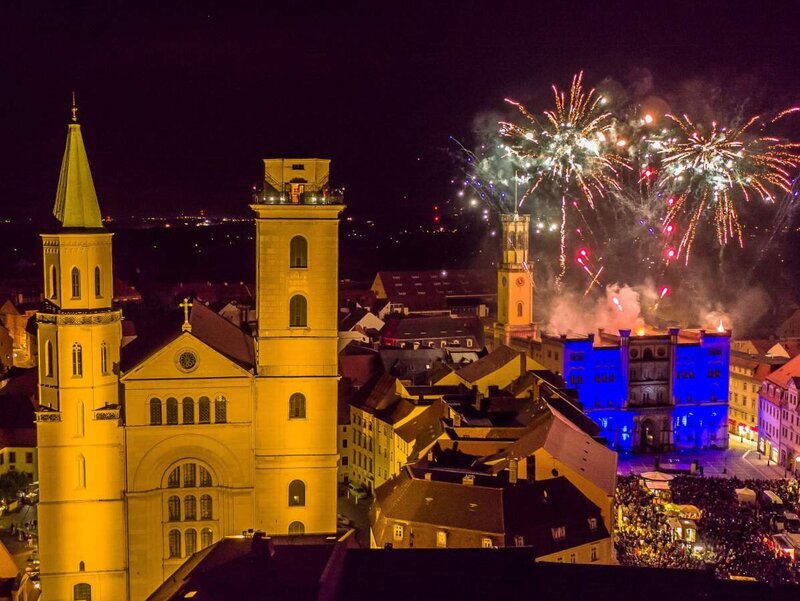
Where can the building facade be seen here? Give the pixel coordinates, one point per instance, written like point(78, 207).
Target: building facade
point(779, 416)
point(649, 391)
point(151, 453)
point(747, 374)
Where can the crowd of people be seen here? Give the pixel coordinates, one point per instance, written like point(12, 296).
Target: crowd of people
point(733, 539)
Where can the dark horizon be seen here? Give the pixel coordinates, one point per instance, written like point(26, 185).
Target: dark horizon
point(179, 104)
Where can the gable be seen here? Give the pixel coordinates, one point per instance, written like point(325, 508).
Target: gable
point(165, 363)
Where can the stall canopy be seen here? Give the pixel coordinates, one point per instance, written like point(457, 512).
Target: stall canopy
point(746, 496)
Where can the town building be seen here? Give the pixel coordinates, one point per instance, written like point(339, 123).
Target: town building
point(648, 390)
point(18, 452)
point(359, 325)
point(779, 416)
point(15, 320)
point(747, 373)
point(433, 332)
point(221, 431)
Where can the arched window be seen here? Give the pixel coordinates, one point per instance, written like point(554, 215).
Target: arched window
point(76, 283)
point(220, 410)
point(204, 410)
point(174, 543)
point(77, 360)
point(53, 282)
point(520, 308)
point(48, 359)
point(98, 288)
point(103, 357)
point(297, 528)
point(297, 493)
point(79, 425)
point(190, 475)
point(206, 507)
point(191, 541)
point(81, 567)
point(174, 480)
point(188, 410)
point(155, 412)
point(298, 311)
point(205, 476)
point(297, 406)
point(298, 252)
point(82, 592)
point(81, 465)
point(206, 538)
point(172, 411)
point(190, 508)
point(174, 509)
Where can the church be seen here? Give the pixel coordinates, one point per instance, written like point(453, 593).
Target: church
point(150, 453)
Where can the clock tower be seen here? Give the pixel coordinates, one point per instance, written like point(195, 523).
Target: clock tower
point(515, 277)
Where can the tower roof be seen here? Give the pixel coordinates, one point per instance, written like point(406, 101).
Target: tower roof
point(76, 201)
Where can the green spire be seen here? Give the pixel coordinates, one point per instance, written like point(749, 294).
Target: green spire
point(76, 201)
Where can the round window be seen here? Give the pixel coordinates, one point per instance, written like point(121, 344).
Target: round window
point(187, 360)
point(661, 351)
point(634, 353)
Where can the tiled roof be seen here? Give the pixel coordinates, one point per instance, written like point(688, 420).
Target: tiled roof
point(429, 290)
point(416, 328)
point(783, 375)
point(488, 364)
point(222, 335)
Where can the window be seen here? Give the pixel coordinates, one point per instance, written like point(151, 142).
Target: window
point(594, 553)
point(592, 524)
point(48, 359)
point(206, 507)
point(98, 289)
point(487, 543)
point(174, 509)
point(155, 412)
point(174, 543)
point(82, 592)
point(519, 541)
point(344, 461)
point(206, 537)
point(398, 532)
point(77, 360)
point(297, 406)
point(297, 528)
point(172, 411)
point(297, 493)
point(28, 457)
point(81, 567)
point(190, 509)
point(104, 358)
point(53, 282)
point(519, 309)
point(220, 410)
point(76, 283)
point(205, 477)
point(174, 480)
point(441, 538)
point(188, 410)
point(191, 541)
point(298, 311)
point(81, 464)
point(298, 252)
point(572, 557)
point(559, 532)
point(190, 475)
point(204, 410)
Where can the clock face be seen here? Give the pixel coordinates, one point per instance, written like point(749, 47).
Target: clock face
point(520, 281)
point(187, 360)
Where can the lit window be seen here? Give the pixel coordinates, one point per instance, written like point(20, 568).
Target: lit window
point(398, 532)
point(441, 538)
point(487, 542)
point(297, 493)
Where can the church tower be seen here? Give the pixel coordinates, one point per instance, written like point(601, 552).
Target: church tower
point(515, 276)
point(297, 259)
point(82, 542)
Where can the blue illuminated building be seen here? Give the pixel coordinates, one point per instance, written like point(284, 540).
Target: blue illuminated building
point(651, 391)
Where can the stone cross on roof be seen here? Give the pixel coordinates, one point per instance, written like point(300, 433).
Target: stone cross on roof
point(186, 305)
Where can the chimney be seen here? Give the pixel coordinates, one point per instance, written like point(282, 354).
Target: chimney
point(428, 476)
point(468, 480)
point(513, 468)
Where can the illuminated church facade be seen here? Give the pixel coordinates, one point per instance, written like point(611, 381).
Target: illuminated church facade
point(150, 453)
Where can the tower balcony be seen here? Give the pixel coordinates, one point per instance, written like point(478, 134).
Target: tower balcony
point(293, 196)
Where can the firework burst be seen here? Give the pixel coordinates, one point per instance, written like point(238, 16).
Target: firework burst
point(571, 148)
point(707, 170)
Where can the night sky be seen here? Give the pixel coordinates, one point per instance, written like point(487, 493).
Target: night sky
point(179, 104)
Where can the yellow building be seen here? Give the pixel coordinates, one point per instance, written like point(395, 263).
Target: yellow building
point(150, 454)
point(514, 280)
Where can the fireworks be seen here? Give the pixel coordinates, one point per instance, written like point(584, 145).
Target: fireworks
point(706, 170)
point(570, 149)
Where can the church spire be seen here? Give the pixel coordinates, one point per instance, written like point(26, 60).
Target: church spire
point(76, 201)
